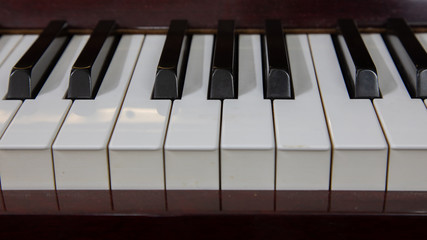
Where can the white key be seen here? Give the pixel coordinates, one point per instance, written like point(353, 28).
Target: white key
point(191, 147)
point(7, 45)
point(247, 134)
point(359, 158)
point(302, 138)
point(8, 108)
point(136, 147)
point(25, 148)
point(404, 121)
point(80, 149)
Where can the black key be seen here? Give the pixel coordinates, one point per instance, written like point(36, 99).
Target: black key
point(357, 66)
point(173, 62)
point(223, 82)
point(90, 67)
point(408, 55)
point(277, 72)
point(30, 73)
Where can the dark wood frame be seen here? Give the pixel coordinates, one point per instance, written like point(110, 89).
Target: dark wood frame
point(205, 13)
point(124, 214)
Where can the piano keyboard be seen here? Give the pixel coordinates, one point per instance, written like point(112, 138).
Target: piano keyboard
point(322, 138)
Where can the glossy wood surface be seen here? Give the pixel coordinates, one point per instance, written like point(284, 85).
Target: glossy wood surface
point(213, 214)
point(206, 13)
point(172, 202)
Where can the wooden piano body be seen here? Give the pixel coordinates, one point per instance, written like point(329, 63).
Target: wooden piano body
point(211, 214)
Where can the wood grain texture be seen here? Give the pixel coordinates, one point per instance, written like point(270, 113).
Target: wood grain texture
point(206, 13)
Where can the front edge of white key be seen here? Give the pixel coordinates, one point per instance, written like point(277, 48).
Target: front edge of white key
point(136, 146)
point(247, 134)
point(191, 147)
point(80, 149)
point(25, 148)
point(360, 151)
point(404, 120)
point(302, 138)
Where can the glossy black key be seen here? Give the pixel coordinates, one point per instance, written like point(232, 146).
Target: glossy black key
point(357, 66)
point(409, 56)
point(30, 73)
point(223, 82)
point(89, 69)
point(172, 64)
point(277, 72)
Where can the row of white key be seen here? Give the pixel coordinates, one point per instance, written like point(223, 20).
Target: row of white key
point(136, 146)
point(359, 156)
point(80, 151)
point(397, 158)
point(404, 121)
point(125, 140)
point(9, 56)
point(242, 134)
point(26, 147)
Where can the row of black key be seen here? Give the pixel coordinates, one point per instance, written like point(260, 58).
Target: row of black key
point(224, 79)
point(30, 73)
point(359, 70)
point(224, 70)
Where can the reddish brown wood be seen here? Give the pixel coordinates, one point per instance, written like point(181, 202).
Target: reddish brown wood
point(205, 13)
point(30, 202)
point(247, 200)
point(133, 201)
point(357, 201)
point(165, 203)
point(2, 209)
point(84, 201)
point(193, 201)
point(302, 201)
point(406, 202)
point(244, 214)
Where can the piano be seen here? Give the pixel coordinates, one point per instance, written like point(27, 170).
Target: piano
point(145, 125)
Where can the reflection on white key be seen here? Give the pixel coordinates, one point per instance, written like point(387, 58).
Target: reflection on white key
point(80, 149)
point(191, 148)
point(359, 159)
point(302, 138)
point(25, 148)
point(7, 45)
point(136, 146)
point(247, 134)
point(404, 121)
point(8, 108)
